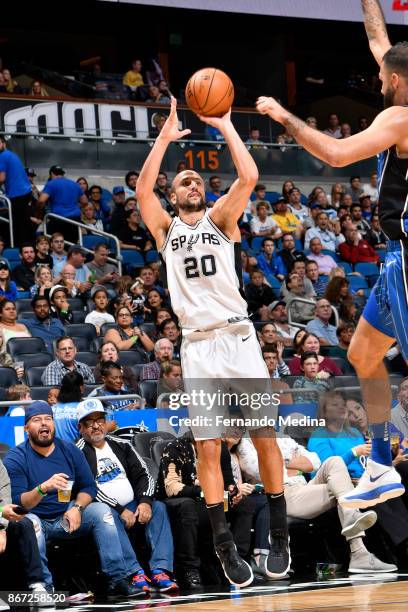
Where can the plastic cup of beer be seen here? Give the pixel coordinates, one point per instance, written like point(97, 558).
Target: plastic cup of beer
point(226, 501)
point(64, 495)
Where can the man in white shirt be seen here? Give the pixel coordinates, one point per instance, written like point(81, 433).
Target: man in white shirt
point(372, 188)
point(322, 230)
point(325, 263)
point(307, 500)
point(263, 224)
point(333, 129)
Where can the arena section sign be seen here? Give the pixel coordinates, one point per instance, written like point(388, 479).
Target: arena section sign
point(395, 11)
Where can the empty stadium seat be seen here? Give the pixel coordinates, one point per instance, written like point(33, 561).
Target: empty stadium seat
point(256, 243)
point(40, 393)
point(332, 254)
point(96, 344)
point(152, 256)
point(83, 330)
point(35, 359)
point(357, 282)
point(11, 254)
point(8, 377)
point(106, 326)
point(76, 304)
point(137, 369)
point(367, 269)
point(23, 304)
point(33, 376)
point(348, 269)
point(21, 346)
point(133, 258)
point(148, 390)
point(90, 241)
point(131, 358)
point(78, 316)
point(86, 357)
point(144, 441)
point(345, 381)
point(148, 328)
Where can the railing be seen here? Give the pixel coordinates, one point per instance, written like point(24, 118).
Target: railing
point(117, 260)
point(9, 219)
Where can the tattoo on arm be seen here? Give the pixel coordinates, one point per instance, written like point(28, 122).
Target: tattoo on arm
point(294, 125)
point(374, 21)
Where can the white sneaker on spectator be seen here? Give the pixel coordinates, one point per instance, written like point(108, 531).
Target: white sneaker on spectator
point(3, 605)
point(366, 563)
point(360, 522)
point(41, 597)
point(377, 484)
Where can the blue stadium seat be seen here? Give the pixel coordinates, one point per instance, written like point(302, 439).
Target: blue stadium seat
point(256, 243)
point(134, 258)
point(148, 390)
point(131, 358)
point(33, 376)
point(346, 267)
point(8, 377)
point(357, 282)
point(35, 359)
point(367, 269)
point(382, 253)
point(244, 245)
point(274, 282)
point(91, 241)
point(152, 256)
point(17, 347)
point(12, 254)
point(86, 357)
point(84, 330)
point(23, 304)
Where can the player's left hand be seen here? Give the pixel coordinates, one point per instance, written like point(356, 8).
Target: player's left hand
point(271, 107)
point(217, 122)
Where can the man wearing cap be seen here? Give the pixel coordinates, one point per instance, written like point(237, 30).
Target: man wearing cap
point(124, 483)
point(286, 219)
point(104, 273)
point(44, 326)
point(279, 317)
point(31, 176)
point(18, 190)
point(295, 205)
point(118, 214)
point(76, 257)
point(10, 290)
point(65, 352)
point(65, 197)
point(43, 466)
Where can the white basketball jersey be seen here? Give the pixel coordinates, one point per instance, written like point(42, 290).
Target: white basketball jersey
point(201, 274)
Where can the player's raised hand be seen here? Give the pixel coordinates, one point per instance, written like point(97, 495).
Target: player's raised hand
point(170, 130)
point(217, 122)
point(271, 107)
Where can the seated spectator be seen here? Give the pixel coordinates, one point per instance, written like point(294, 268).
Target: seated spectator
point(338, 292)
point(68, 281)
point(103, 273)
point(132, 236)
point(345, 130)
point(170, 330)
point(279, 318)
point(399, 414)
point(312, 273)
point(19, 392)
point(328, 238)
point(259, 295)
point(8, 324)
point(170, 380)
point(18, 539)
point(133, 77)
point(312, 379)
point(358, 220)
point(65, 410)
point(65, 352)
point(273, 362)
point(154, 301)
point(108, 352)
point(76, 258)
point(138, 299)
point(11, 85)
point(333, 128)
point(268, 262)
point(348, 313)
point(113, 384)
point(344, 334)
point(23, 274)
point(372, 187)
point(52, 397)
point(100, 315)
point(289, 253)
point(366, 207)
point(294, 288)
point(375, 236)
point(322, 202)
point(88, 217)
point(338, 438)
point(38, 469)
point(286, 220)
point(60, 308)
point(325, 263)
point(164, 92)
point(8, 288)
point(295, 206)
point(44, 326)
point(83, 183)
point(254, 136)
point(163, 351)
point(354, 250)
point(127, 337)
point(320, 325)
point(263, 224)
point(310, 343)
point(101, 206)
point(38, 90)
point(162, 191)
point(260, 196)
point(268, 334)
point(43, 281)
point(309, 499)
point(355, 189)
point(58, 253)
point(155, 96)
point(129, 493)
point(118, 214)
point(131, 179)
point(215, 190)
point(336, 196)
point(299, 267)
point(297, 341)
point(42, 251)
point(161, 315)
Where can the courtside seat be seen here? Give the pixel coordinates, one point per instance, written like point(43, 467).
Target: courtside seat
point(144, 441)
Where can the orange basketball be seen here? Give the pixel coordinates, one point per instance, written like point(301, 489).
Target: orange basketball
point(210, 92)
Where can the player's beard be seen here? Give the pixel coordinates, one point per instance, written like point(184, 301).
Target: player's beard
point(389, 96)
point(187, 206)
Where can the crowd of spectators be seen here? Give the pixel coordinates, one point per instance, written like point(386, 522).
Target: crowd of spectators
point(79, 338)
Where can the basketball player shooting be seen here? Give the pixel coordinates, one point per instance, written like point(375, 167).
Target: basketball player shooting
point(219, 342)
point(385, 317)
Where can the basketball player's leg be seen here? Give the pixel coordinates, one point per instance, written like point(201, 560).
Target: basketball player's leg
point(271, 471)
point(375, 334)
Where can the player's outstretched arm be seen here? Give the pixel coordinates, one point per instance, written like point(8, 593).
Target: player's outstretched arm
point(376, 29)
point(155, 217)
point(230, 207)
point(389, 128)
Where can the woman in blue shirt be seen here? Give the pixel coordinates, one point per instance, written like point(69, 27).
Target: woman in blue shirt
point(66, 409)
point(8, 288)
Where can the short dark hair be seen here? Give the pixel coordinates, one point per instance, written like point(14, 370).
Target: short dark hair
point(396, 59)
point(70, 387)
point(308, 355)
point(310, 262)
point(163, 173)
point(95, 187)
point(259, 187)
point(262, 203)
point(344, 327)
point(267, 239)
point(355, 205)
point(129, 212)
point(61, 339)
point(163, 324)
point(24, 245)
point(99, 245)
point(107, 366)
point(270, 348)
point(352, 178)
point(3, 140)
point(129, 174)
point(38, 298)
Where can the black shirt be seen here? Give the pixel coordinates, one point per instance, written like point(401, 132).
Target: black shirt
point(138, 237)
point(23, 276)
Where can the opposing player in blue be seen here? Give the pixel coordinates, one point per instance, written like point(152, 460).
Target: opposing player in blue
point(385, 317)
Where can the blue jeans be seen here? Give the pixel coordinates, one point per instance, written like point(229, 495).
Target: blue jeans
point(118, 559)
point(159, 536)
